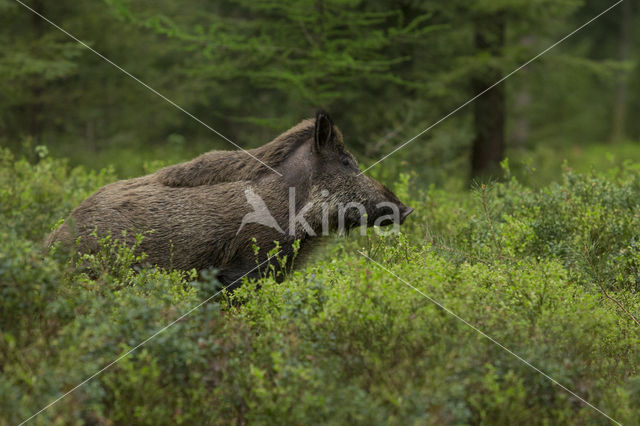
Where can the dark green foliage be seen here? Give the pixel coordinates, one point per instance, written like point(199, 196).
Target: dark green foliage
point(341, 341)
point(385, 69)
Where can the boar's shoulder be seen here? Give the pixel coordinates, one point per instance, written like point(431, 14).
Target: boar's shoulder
point(232, 166)
point(208, 169)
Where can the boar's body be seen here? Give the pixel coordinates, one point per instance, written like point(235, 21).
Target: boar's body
point(191, 214)
point(184, 227)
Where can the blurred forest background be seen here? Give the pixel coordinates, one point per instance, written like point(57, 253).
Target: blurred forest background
point(386, 70)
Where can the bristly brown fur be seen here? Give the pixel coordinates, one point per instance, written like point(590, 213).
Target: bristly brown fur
point(229, 166)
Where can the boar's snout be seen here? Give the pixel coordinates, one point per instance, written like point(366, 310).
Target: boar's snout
point(386, 214)
point(389, 209)
point(404, 212)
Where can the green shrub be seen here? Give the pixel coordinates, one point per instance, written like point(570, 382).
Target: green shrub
point(588, 222)
point(34, 197)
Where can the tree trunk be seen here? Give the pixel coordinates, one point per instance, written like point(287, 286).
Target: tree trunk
point(36, 107)
point(489, 109)
point(620, 102)
point(521, 105)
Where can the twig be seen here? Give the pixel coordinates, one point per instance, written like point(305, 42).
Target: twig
point(381, 142)
point(429, 238)
point(306, 33)
point(598, 281)
point(483, 189)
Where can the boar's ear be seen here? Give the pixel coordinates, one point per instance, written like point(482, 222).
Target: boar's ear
point(323, 136)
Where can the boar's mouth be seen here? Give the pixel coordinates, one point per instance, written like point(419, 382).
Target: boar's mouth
point(389, 215)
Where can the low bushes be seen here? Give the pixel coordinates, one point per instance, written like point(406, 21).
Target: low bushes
point(341, 340)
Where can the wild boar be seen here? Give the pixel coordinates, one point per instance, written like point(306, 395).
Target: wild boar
point(207, 212)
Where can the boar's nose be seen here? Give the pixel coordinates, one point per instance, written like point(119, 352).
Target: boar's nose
point(406, 211)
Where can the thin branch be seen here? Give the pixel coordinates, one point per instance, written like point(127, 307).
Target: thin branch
point(431, 240)
point(598, 281)
point(497, 246)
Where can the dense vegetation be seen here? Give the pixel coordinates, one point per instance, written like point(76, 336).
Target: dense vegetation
point(342, 340)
